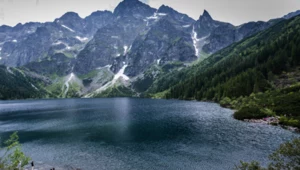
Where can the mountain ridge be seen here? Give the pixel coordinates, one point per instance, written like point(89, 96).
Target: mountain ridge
point(132, 47)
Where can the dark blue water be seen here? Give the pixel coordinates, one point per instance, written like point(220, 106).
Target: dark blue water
point(128, 134)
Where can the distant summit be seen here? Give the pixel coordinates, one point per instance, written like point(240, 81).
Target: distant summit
point(292, 14)
point(205, 16)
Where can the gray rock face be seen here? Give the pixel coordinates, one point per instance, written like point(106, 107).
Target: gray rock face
point(36, 41)
point(215, 35)
point(183, 19)
point(112, 42)
point(103, 49)
point(18, 33)
point(139, 37)
point(31, 49)
point(162, 43)
point(59, 65)
point(97, 20)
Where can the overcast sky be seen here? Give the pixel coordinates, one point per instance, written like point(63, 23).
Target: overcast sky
point(233, 11)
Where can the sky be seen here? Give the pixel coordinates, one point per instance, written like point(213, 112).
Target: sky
point(234, 11)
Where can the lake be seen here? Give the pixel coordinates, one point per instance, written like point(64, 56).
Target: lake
point(128, 134)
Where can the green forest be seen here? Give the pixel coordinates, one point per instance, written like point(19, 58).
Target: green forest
point(247, 67)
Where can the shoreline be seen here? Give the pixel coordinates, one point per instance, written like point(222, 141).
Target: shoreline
point(266, 121)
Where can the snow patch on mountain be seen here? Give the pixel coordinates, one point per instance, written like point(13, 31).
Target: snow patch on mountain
point(66, 86)
point(34, 87)
point(121, 74)
point(68, 28)
point(57, 43)
point(107, 66)
point(60, 42)
point(195, 41)
point(117, 76)
point(158, 61)
point(125, 49)
point(84, 39)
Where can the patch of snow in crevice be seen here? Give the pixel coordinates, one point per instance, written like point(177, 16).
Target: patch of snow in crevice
point(60, 42)
point(186, 26)
point(158, 61)
point(84, 39)
point(161, 14)
point(0, 58)
point(195, 41)
point(30, 31)
point(155, 17)
point(68, 28)
point(125, 49)
point(68, 47)
point(34, 87)
point(115, 37)
point(14, 41)
point(107, 66)
point(67, 84)
point(120, 74)
point(129, 48)
point(113, 81)
point(118, 55)
point(152, 17)
point(57, 43)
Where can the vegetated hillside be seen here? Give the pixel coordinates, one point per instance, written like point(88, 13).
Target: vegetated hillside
point(245, 67)
point(15, 84)
point(257, 76)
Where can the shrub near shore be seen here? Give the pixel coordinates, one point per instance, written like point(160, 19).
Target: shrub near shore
point(284, 103)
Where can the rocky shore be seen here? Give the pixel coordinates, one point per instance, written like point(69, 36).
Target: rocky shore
point(272, 121)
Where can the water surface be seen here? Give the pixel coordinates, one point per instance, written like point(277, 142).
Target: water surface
point(128, 134)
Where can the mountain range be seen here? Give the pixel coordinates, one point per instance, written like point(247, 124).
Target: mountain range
point(134, 51)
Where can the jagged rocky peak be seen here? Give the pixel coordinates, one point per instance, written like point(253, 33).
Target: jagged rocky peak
point(175, 14)
point(165, 9)
point(133, 8)
point(205, 25)
point(205, 17)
